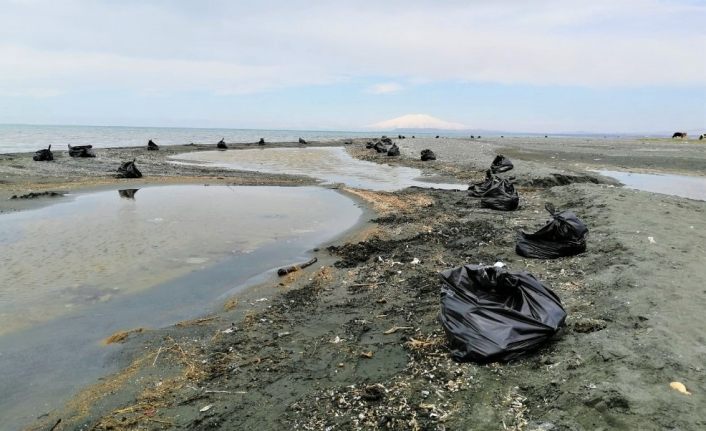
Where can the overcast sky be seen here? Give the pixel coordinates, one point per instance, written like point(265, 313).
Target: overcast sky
point(535, 66)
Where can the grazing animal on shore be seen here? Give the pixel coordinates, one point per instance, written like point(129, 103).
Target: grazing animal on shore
point(681, 135)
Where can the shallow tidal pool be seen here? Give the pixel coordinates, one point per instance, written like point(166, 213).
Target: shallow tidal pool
point(328, 164)
point(76, 271)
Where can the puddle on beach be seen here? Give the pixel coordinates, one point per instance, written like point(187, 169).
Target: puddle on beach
point(328, 164)
point(668, 184)
point(74, 272)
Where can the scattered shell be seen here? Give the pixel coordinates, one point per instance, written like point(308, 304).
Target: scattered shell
point(679, 387)
point(206, 408)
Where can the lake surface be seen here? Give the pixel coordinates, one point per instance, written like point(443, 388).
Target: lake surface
point(691, 187)
point(23, 138)
point(75, 272)
point(328, 164)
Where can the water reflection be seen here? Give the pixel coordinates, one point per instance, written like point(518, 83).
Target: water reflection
point(128, 193)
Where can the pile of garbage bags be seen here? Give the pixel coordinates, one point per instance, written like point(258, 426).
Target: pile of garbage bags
point(492, 314)
point(384, 145)
point(43, 155)
point(563, 235)
point(495, 193)
point(81, 151)
point(129, 170)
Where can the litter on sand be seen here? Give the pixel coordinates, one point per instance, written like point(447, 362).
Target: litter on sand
point(492, 314)
point(501, 196)
point(43, 155)
point(129, 170)
point(501, 164)
point(563, 235)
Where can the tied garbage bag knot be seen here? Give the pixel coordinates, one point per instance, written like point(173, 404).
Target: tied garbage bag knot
point(492, 314)
point(501, 164)
point(563, 235)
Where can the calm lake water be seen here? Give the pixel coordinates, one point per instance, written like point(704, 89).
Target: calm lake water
point(74, 272)
point(678, 185)
point(328, 164)
point(23, 138)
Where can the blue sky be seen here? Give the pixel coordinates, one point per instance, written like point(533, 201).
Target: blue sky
point(541, 66)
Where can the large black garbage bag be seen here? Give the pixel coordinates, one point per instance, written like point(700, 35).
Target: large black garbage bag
point(302, 141)
point(81, 151)
point(221, 145)
point(43, 155)
point(129, 170)
point(394, 150)
point(151, 146)
point(428, 155)
point(564, 235)
point(380, 147)
point(479, 189)
point(500, 164)
point(492, 314)
point(501, 195)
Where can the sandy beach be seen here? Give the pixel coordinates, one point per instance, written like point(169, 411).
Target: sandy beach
point(353, 342)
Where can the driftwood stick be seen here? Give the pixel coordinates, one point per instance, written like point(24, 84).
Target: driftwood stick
point(288, 269)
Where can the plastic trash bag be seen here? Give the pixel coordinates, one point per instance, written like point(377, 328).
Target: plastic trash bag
point(492, 314)
point(428, 155)
point(394, 150)
point(151, 146)
point(564, 235)
point(81, 151)
point(501, 164)
point(501, 195)
point(43, 155)
point(221, 145)
point(129, 170)
point(478, 189)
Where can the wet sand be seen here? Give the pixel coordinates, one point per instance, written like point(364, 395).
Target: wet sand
point(352, 342)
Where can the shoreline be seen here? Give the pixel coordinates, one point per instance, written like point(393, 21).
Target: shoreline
point(321, 354)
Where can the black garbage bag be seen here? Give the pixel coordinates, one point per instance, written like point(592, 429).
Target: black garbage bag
point(501, 195)
point(261, 141)
point(302, 141)
point(386, 140)
point(394, 150)
point(380, 147)
point(428, 155)
point(151, 146)
point(369, 145)
point(501, 164)
point(81, 151)
point(564, 235)
point(43, 155)
point(479, 189)
point(129, 170)
point(492, 314)
point(221, 145)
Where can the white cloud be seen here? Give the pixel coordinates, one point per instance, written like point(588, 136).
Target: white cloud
point(226, 47)
point(417, 121)
point(385, 88)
